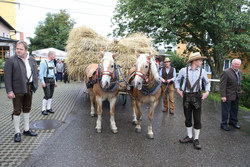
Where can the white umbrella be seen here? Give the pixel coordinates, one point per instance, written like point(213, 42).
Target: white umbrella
point(44, 53)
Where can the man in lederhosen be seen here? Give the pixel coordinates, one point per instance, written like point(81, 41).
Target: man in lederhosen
point(48, 80)
point(168, 76)
point(21, 80)
point(193, 76)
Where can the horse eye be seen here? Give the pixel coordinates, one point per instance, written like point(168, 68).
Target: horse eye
point(146, 66)
point(112, 66)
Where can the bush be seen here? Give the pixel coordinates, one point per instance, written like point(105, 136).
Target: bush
point(177, 61)
point(245, 86)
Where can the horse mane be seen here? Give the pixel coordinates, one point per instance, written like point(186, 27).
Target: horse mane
point(154, 69)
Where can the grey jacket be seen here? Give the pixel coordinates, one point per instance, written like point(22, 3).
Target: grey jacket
point(229, 86)
point(15, 76)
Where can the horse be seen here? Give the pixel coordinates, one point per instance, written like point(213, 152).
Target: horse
point(144, 87)
point(101, 81)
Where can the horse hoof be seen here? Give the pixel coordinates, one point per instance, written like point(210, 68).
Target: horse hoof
point(92, 115)
point(134, 122)
point(114, 131)
point(138, 130)
point(98, 130)
point(150, 136)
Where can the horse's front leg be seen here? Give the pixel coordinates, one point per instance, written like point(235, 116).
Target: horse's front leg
point(92, 111)
point(112, 102)
point(138, 116)
point(134, 121)
point(99, 114)
point(150, 118)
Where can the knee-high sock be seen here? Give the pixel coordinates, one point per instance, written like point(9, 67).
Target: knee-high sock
point(196, 133)
point(44, 104)
point(49, 104)
point(189, 132)
point(16, 120)
point(26, 118)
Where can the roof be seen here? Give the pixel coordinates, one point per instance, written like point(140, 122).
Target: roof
point(6, 23)
point(2, 39)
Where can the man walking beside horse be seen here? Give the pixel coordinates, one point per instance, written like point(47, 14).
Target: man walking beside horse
point(168, 76)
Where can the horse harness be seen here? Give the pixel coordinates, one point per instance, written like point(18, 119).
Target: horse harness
point(98, 75)
point(145, 89)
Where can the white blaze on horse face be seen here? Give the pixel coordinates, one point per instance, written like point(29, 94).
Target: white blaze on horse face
point(108, 66)
point(141, 65)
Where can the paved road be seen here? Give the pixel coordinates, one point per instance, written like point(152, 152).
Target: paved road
point(77, 144)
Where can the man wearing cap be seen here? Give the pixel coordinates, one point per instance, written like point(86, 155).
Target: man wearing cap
point(193, 76)
point(230, 90)
point(168, 76)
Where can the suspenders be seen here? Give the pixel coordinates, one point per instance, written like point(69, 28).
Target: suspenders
point(49, 68)
point(197, 83)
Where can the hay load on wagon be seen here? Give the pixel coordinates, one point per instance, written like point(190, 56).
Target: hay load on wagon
point(84, 46)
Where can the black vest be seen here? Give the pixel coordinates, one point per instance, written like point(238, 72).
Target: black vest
point(169, 75)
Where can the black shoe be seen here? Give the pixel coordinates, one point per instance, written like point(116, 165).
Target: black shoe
point(235, 125)
point(186, 140)
point(17, 137)
point(44, 112)
point(224, 127)
point(29, 133)
point(197, 144)
point(51, 111)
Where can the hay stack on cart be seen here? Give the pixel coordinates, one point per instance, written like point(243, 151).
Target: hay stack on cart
point(84, 47)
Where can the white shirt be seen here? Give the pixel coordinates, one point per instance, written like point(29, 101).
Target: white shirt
point(28, 69)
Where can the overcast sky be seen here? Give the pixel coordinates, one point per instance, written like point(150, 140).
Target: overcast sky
point(95, 14)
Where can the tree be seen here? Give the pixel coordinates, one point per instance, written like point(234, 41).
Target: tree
point(215, 28)
point(53, 32)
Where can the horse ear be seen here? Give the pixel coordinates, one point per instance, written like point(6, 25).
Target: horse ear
point(137, 54)
point(102, 54)
point(151, 55)
point(115, 55)
point(149, 58)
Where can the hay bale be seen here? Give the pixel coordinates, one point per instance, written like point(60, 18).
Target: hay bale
point(84, 47)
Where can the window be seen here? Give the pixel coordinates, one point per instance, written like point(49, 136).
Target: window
point(3, 34)
point(227, 64)
point(206, 67)
point(4, 52)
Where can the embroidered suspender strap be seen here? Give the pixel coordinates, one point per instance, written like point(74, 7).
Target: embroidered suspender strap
point(187, 84)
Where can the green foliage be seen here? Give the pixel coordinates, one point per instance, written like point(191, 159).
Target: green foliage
point(53, 32)
point(245, 84)
point(1, 63)
point(177, 61)
point(215, 28)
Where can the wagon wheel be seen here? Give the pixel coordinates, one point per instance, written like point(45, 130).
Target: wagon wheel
point(124, 99)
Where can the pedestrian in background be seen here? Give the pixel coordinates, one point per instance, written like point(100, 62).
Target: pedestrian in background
point(230, 91)
point(65, 73)
point(193, 76)
point(59, 70)
point(168, 76)
point(48, 80)
point(21, 81)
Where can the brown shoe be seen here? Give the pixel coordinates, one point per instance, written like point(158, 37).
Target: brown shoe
point(197, 144)
point(165, 110)
point(186, 140)
point(171, 112)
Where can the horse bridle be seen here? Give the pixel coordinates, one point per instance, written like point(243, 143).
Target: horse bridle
point(142, 75)
point(109, 73)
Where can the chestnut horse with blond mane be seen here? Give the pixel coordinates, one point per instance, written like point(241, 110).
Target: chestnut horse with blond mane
point(145, 87)
point(101, 81)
